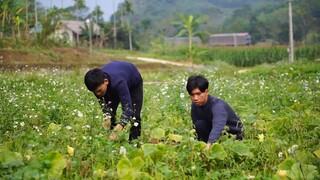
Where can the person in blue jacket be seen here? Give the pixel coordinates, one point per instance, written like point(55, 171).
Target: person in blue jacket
point(210, 115)
point(114, 83)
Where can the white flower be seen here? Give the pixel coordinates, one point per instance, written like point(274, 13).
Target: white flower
point(292, 149)
point(182, 95)
point(27, 157)
point(86, 127)
point(80, 114)
point(68, 127)
point(280, 154)
point(123, 151)
point(135, 124)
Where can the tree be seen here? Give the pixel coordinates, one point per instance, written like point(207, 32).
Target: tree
point(27, 17)
point(97, 13)
point(18, 21)
point(79, 9)
point(128, 11)
point(5, 4)
point(308, 17)
point(189, 26)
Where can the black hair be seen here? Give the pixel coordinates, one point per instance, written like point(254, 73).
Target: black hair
point(197, 81)
point(94, 78)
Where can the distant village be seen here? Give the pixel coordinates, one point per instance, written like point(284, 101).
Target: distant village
point(71, 31)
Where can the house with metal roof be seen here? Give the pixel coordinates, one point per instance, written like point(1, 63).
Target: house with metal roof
point(73, 30)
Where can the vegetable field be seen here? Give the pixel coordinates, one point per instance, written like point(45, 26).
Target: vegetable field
point(50, 126)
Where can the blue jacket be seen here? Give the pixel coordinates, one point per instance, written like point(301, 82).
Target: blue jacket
point(123, 77)
point(218, 114)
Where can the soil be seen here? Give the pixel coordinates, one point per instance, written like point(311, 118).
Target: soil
point(69, 58)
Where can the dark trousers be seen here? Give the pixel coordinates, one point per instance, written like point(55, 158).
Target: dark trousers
point(203, 129)
point(137, 100)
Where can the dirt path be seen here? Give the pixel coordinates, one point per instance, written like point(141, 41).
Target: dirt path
point(152, 60)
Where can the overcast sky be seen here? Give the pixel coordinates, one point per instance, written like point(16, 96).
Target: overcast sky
point(106, 5)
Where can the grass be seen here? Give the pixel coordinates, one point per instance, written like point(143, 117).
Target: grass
point(46, 114)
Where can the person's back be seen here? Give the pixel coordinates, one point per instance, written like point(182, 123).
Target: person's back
point(122, 71)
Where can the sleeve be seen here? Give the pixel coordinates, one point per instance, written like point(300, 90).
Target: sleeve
point(104, 106)
point(126, 103)
point(219, 120)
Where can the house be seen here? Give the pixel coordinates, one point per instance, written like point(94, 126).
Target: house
point(229, 39)
point(72, 30)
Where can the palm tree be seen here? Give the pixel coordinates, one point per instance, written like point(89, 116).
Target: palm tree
point(18, 21)
point(189, 26)
point(27, 16)
point(4, 14)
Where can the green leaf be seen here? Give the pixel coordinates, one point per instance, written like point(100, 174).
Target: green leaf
point(137, 163)
point(164, 168)
point(149, 149)
point(181, 33)
point(241, 149)
point(317, 153)
point(10, 159)
point(128, 170)
point(199, 146)
point(57, 162)
point(175, 137)
point(287, 164)
point(303, 171)
point(54, 127)
point(123, 167)
point(158, 133)
point(217, 152)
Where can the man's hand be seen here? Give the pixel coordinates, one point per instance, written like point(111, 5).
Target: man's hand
point(113, 136)
point(117, 128)
point(207, 148)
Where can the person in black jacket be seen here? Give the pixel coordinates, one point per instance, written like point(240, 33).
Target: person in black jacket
point(209, 114)
point(114, 83)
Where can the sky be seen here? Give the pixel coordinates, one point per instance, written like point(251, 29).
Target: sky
point(106, 5)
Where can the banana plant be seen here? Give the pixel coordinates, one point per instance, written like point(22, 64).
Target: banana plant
point(189, 25)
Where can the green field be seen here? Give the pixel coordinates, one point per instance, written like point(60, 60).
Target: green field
point(45, 113)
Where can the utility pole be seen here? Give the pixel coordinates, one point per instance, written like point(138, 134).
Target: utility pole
point(36, 17)
point(291, 49)
point(114, 26)
point(89, 21)
point(77, 9)
point(97, 19)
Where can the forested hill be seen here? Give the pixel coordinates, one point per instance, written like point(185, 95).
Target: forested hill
point(158, 15)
